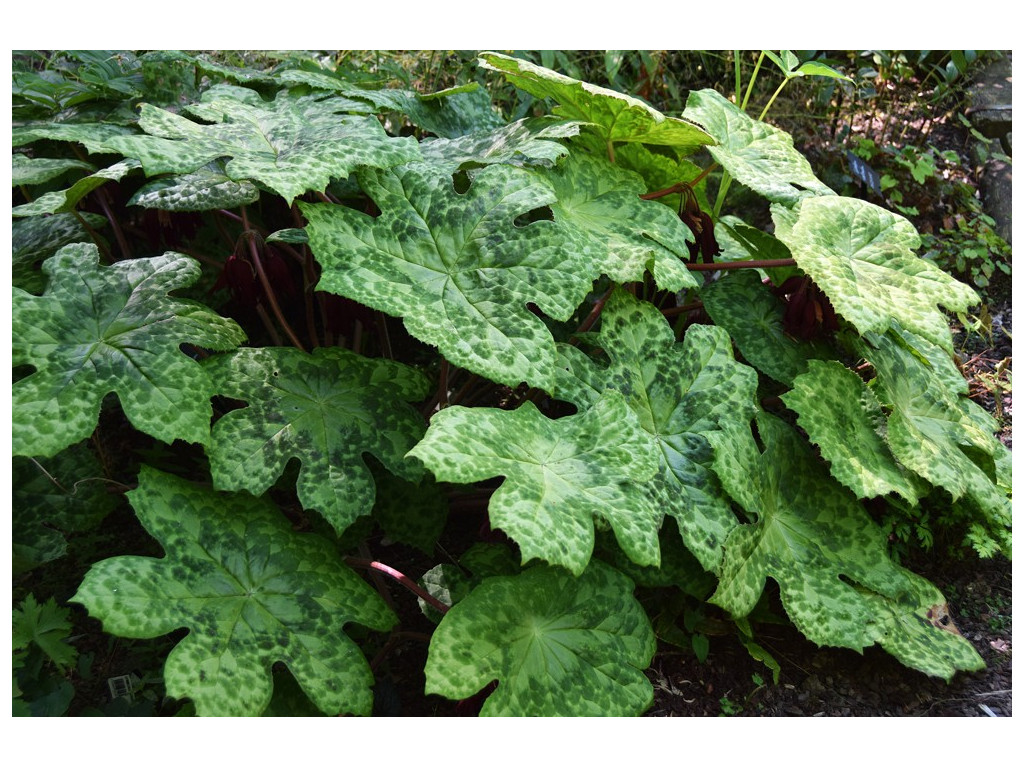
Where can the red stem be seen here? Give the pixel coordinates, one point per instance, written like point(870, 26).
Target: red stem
point(764, 264)
point(401, 578)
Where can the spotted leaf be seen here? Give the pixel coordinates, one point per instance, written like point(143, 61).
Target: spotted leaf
point(829, 558)
point(754, 153)
point(613, 116)
point(862, 257)
point(626, 235)
point(292, 145)
point(562, 476)
point(456, 266)
point(327, 409)
point(99, 329)
point(841, 416)
point(680, 392)
point(251, 592)
point(934, 430)
point(557, 645)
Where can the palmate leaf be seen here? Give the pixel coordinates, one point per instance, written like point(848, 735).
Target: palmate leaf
point(557, 645)
point(97, 330)
point(745, 307)
point(455, 266)
point(756, 154)
point(66, 493)
point(38, 170)
point(842, 417)
point(47, 626)
point(531, 141)
point(680, 392)
point(862, 257)
point(626, 235)
point(935, 431)
point(614, 116)
point(66, 199)
point(251, 591)
point(837, 582)
point(36, 238)
point(327, 409)
point(206, 189)
point(93, 136)
point(292, 145)
point(562, 476)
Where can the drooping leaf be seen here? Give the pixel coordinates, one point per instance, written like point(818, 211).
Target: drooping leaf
point(935, 431)
point(680, 392)
point(28, 171)
point(614, 116)
point(206, 189)
point(844, 419)
point(93, 136)
point(837, 582)
point(36, 238)
point(251, 591)
point(561, 476)
point(455, 266)
point(66, 199)
point(47, 626)
point(756, 154)
point(745, 307)
point(531, 141)
point(292, 145)
point(862, 257)
point(327, 409)
point(557, 645)
point(626, 235)
point(97, 330)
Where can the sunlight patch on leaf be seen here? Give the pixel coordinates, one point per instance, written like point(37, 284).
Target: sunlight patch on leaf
point(557, 645)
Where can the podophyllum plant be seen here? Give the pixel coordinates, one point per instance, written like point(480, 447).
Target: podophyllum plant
point(636, 387)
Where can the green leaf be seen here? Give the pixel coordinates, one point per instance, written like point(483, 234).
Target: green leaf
point(292, 145)
point(206, 189)
point(660, 172)
point(39, 237)
point(67, 199)
point(557, 645)
point(94, 136)
point(680, 392)
point(455, 266)
point(625, 235)
point(935, 431)
point(327, 409)
point(817, 69)
point(862, 257)
point(561, 476)
point(531, 141)
point(830, 560)
point(756, 154)
point(745, 307)
point(47, 626)
point(28, 171)
point(614, 116)
point(842, 417)
point(411, 513)
point(112, 329)
point(251, 591)
point(66, 493)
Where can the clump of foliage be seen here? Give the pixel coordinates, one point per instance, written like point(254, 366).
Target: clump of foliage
point(539, 322)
